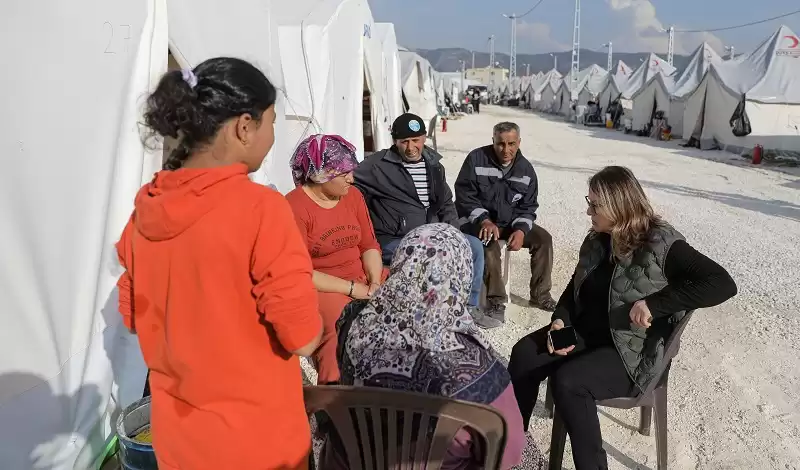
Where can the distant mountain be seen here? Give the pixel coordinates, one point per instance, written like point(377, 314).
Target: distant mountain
point(449, 60)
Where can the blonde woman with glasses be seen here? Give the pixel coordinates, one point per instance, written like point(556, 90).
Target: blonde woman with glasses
point(635, 279)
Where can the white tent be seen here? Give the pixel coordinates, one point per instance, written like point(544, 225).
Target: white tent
point(330, 58)
point(622, 72)
point(613, 83)
point(548, 94)
point(766, 83)
point(68, 185)
point(392, 74)
point(454, 84)
point(195, 35)
point(593, 82)
point(687, 83)
point(542, 92)
point(618, 87)
point(418, 85)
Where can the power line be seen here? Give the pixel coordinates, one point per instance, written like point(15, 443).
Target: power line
point(531, 10)
point(726, 28)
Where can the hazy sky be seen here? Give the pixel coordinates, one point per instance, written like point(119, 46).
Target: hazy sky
point(632, 25)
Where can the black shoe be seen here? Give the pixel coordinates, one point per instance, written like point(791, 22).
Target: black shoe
point(548, 304)
point(483, 320)
point(497, 312)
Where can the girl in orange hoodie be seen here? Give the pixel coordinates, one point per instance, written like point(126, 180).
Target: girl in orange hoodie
point(218, 280)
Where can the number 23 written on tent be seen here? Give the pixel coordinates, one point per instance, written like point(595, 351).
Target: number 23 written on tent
point(113, 36)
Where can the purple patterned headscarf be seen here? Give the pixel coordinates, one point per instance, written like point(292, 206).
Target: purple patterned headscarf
point(320, 158)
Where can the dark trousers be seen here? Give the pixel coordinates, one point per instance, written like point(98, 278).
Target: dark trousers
point(579, 379)
point(476, 104)
point(540, 243)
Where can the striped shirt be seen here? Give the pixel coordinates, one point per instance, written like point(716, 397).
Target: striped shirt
point(420, 177)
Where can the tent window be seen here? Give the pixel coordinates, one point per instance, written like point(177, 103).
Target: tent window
point(420, 78)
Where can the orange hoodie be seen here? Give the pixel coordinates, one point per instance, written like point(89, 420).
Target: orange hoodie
point(218, 288)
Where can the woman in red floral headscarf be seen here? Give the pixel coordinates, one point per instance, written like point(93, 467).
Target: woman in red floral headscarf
point(335, 224)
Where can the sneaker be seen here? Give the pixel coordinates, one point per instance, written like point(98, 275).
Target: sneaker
point(548, 304)
point(483, 320)
point(497, 312)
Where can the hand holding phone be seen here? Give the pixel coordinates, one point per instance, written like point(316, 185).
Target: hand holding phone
point(561, 340)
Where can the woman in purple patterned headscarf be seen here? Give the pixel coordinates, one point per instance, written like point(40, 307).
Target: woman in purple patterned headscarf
point(334, 221)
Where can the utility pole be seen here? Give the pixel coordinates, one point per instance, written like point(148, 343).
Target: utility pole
point(576, 45)
point(513, 60)
point(671, 45)
point(527, 70)
point(491, 51)
point(610, 46)
point(463, 68)
point(555, 61)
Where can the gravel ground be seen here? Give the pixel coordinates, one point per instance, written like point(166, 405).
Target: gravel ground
point(735, 388)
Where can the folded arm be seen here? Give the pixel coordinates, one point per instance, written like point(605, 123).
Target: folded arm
point(695, 281)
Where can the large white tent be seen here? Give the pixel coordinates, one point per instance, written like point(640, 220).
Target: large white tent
point(392, 73)
point(687, 83)
point(593, 83)
point(766, 83)
point(418, 85)
point(330, 57)
point(587, 86)
point(68, 185)
point(618, 87)
point(543, 91)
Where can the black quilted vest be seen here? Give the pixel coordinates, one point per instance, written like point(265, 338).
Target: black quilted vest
point(634, 278)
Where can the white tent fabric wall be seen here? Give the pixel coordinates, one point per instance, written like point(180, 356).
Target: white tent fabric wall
point(769, 80)
point(374, 68)
point(325, 55)
point(417, 85)
point(195, 35)
point(392, 75)
point(647, 70)
point(610, 92)
point(699, 62)
point(68, 188)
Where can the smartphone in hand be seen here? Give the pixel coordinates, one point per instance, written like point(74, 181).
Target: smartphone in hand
point(563, 338)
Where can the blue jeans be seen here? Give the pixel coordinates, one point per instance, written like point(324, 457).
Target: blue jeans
point(475, 245)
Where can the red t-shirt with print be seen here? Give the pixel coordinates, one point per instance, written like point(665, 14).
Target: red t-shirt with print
point(336, 237)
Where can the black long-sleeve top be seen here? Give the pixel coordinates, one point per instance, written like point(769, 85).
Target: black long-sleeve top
point(695, 281)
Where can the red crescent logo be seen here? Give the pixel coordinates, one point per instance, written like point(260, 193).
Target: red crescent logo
point(654, 63)
point(795, 41)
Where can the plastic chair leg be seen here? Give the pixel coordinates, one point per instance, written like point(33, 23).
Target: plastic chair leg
point(548, 400)
point(558, 440)
point(645, 420)
point(660, 410)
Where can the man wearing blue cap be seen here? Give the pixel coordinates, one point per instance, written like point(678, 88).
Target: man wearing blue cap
point(405, 187)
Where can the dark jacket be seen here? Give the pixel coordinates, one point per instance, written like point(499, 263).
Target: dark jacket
point(392, 198)
point(643, 276)
point(483, 191)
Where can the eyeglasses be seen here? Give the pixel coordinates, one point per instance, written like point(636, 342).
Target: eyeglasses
point(592, 205)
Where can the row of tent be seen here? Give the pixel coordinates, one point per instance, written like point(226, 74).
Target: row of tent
point(69, 181)
point(733, 105)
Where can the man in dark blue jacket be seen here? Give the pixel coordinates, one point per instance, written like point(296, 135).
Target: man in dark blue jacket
point(496, 198)
point(405, 187)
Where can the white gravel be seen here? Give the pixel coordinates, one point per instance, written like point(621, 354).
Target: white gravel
point(735, 389)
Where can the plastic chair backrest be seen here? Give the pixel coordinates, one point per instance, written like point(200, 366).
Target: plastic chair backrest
point(671, 350)
point(358, 412)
